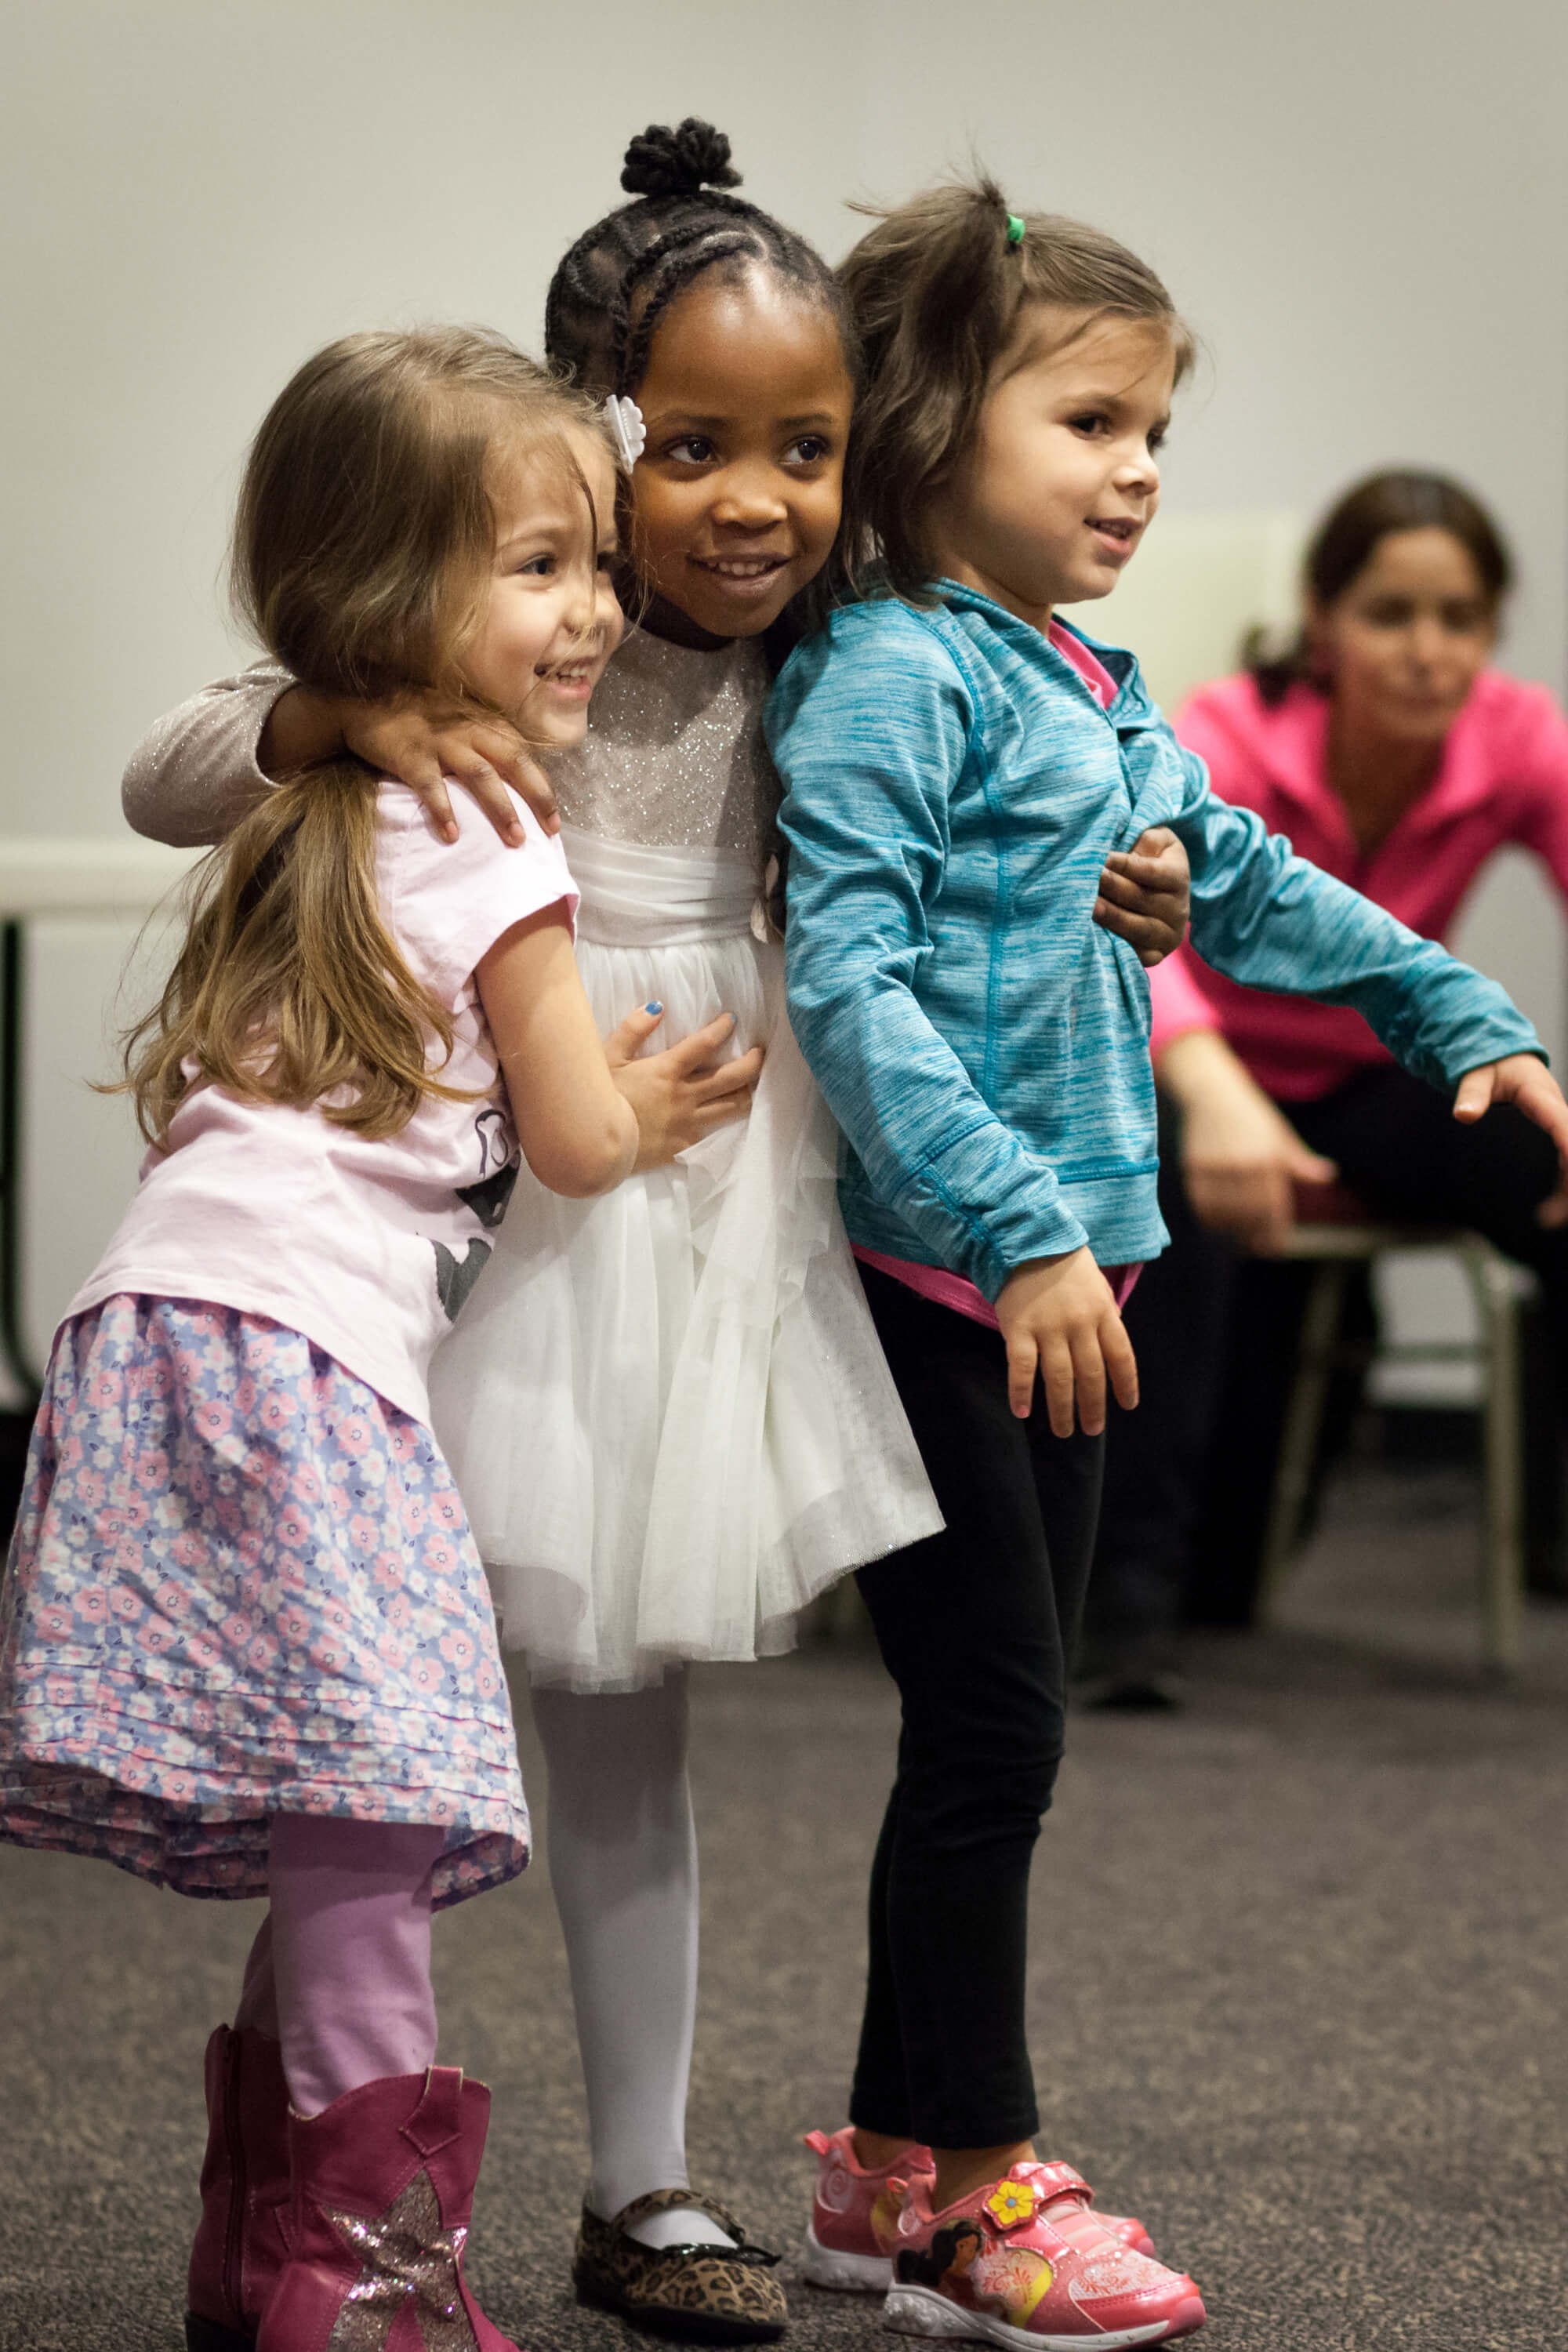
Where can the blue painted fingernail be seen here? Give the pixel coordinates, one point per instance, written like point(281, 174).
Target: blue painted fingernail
point(654, 1007)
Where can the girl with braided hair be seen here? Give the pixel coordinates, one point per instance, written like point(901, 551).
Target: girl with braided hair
point(668, 1414)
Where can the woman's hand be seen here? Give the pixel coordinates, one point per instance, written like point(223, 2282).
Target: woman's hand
point(1145, 895)
point(1524, 1080)
point(683, 1094)
point(1059, 1318)
point(1241, 1158)
point(423, 740)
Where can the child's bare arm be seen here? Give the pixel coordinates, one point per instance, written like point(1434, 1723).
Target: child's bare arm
point(578, 1133)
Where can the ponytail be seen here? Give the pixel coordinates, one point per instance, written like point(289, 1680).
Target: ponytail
point(289, 988)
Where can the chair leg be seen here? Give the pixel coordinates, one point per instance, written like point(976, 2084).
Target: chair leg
point(1503, 1567)
point(1303, 1423)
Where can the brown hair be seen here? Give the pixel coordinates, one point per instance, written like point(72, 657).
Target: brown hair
point(1346, 541)
point(934, 293)
point(364, 535)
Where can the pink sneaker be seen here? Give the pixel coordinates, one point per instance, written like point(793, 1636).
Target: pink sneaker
point(854, 2226)
point(1024, 2263)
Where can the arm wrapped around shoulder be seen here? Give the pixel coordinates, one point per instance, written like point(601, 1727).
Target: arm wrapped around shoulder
point(196, 770)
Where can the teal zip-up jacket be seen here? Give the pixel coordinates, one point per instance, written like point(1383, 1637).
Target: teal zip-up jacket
point(952, 789)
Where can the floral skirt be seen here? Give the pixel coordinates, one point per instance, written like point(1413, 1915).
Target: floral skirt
point(242, 1583)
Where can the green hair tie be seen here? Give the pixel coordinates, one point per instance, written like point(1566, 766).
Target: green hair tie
point(1015, 229)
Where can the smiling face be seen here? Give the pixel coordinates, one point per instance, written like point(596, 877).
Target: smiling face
point(1050, 503)
point(1402, 647)
point(549, 619)
point(736, 499)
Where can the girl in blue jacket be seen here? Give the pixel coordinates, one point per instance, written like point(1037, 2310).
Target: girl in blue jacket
point(958, 763)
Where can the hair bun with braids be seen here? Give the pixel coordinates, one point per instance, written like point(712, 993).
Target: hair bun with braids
point(615, 285)
point(679, 163)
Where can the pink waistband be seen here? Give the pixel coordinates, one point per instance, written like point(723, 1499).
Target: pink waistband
point(946, 1289)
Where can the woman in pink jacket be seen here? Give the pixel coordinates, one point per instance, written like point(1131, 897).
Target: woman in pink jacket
point(1393, 756)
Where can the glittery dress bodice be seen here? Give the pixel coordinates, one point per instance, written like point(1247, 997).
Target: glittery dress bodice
point(674, 756)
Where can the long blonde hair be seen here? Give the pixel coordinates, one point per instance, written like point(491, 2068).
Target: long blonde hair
point(362, 540)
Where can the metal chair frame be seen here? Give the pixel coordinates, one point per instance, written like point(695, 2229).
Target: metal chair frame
point(1334, 1249)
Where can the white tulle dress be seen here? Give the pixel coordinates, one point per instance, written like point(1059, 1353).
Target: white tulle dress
point(667, 1410)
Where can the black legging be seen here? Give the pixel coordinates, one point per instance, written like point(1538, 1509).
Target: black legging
point(1189, 1477)
point(976, 1626)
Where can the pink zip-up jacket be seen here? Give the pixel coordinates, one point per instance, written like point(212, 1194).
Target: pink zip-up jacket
point(1503, 778)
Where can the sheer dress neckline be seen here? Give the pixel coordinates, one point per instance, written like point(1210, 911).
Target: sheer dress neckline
point(674, 756)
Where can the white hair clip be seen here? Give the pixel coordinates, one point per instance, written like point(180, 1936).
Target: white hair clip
point(628, 430)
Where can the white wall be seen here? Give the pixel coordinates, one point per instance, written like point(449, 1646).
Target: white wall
point(1361, 204)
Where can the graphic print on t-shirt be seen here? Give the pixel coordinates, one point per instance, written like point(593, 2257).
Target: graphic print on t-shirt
point(489, 1197)
point(486, 1197)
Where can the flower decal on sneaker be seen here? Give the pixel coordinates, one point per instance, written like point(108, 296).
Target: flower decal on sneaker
point(1010, 2203)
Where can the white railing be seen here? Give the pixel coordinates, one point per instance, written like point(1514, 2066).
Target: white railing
point(47, 878)
point(45, 874)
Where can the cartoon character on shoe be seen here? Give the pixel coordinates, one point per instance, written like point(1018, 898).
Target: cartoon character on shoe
point(852, 2233)
point(1026, 2262)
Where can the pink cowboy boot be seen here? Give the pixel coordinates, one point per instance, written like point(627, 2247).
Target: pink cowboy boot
point(241, 2244)
point(382, 2189)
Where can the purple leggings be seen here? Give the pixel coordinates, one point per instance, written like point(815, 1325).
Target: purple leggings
point(340, 1971)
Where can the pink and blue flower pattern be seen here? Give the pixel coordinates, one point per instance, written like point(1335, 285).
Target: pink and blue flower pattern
point(242, 1583)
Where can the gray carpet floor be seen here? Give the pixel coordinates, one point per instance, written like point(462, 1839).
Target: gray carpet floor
point(1297, 1989)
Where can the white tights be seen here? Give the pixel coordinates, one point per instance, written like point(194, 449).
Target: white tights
point(623, 1862)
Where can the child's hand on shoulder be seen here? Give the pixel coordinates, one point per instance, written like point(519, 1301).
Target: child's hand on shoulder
point(1524, 1080)
point(1145, 895)
point(423, 740)
point(683, 1094)
point(1060, 1320)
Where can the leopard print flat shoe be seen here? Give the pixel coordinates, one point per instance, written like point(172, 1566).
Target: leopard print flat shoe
point(701, 2294)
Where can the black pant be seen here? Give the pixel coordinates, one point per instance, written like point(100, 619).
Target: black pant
point(1190, 1475)
point(975, 1627)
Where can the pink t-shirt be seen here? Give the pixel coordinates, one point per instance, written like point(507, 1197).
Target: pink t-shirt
point(367, 1247)
point(1090, 666)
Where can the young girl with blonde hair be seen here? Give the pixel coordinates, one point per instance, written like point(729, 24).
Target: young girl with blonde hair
point(669, 1413)
point(957, 763)
point(246, 1644)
